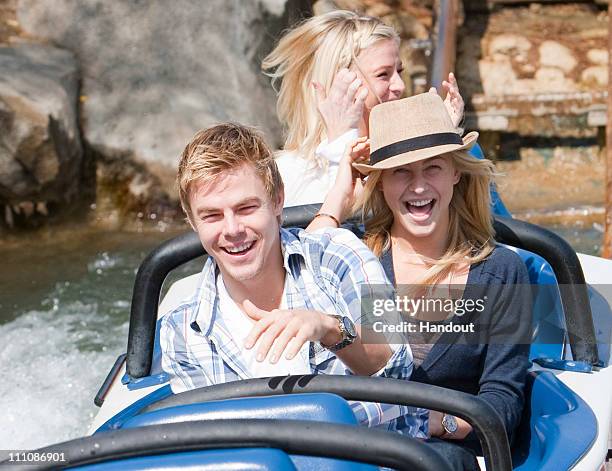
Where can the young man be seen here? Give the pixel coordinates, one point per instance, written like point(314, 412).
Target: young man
point(270, 301)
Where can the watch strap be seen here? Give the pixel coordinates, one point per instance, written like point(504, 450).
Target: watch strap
point(346, 339)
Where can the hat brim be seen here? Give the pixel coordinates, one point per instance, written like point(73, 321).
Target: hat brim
point(414, 156)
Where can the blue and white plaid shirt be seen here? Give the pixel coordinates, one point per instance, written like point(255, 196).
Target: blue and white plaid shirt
point(328, 268)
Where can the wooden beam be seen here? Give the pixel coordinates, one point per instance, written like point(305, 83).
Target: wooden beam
point(607, 239)
point(446, 36)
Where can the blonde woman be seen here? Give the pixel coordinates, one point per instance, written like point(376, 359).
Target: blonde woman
point(330, 71)
point(430, 223)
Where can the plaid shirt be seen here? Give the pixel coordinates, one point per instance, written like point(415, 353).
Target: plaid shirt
point(328, 269)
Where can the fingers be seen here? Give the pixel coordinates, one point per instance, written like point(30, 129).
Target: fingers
point(453, 101)
point(433, 90)
point(360, 150)
point(347, 89)
point(351, 90)
point(258, 329)
point(253, 311)
point(319, 92)
point(283, 332)
point(270, 336)
point(361, 96)
point(289, 341)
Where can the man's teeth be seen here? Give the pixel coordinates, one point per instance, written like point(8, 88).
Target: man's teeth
point(240, 248)
point(420, 202)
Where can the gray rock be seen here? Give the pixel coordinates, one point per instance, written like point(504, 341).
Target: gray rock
point(40, 147)
point(154, 72)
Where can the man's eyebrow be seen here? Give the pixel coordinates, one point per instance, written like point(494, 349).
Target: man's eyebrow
point(242, 202)
point(204, 210)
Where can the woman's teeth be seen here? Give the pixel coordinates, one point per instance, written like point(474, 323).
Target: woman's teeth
point(420, 202)
point(420, 207)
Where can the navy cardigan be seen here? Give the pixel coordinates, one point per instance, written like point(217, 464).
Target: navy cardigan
point(496, 369)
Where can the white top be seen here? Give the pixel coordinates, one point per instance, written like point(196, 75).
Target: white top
point(305, 181)
point(242, 325)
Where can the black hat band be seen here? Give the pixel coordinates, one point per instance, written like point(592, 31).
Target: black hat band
point(415, 143)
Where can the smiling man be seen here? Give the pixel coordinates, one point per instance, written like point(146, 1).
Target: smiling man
point(270, 301)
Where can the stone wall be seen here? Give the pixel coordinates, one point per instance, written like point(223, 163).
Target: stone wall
point(151, 73)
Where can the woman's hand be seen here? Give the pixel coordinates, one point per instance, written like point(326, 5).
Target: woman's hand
point(435, 424)
point(347, 187)
point(286, 330)
point(437, 430)
point(341, 109)
point(453, 101)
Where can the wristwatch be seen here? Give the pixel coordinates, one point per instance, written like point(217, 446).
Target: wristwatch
point(347, 330)
point(450, 426)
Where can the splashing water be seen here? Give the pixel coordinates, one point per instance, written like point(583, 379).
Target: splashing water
point(55, 360)
point(58, 340)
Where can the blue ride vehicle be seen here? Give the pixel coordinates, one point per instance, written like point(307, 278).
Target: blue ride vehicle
point(305, 422)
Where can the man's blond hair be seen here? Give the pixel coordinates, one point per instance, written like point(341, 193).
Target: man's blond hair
point(221, 148)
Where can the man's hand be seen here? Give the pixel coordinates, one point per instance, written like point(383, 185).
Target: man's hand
point(341, 109)
point(286, 330)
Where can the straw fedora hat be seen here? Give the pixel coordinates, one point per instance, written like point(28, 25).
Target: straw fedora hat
point(411, 129)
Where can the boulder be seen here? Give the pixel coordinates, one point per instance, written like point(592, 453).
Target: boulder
point(595, 76)
point(40, 148)
point(598, 56)
point(554, 54)
point(154, 72)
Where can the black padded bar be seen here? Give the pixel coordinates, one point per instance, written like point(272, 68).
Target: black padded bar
point(566, 265)
point(145, 298)
point(483, 418)
point(301, 437)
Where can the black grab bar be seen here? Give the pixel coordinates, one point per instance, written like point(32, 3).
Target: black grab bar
point(298, 437)
point(484, 419)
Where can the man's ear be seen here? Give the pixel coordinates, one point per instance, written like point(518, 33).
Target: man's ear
point(280, 201)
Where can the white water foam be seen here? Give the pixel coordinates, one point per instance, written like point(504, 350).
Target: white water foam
point(53, 362)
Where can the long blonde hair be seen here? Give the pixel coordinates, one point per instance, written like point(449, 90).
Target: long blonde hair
point(315, 51)
point(470, 219)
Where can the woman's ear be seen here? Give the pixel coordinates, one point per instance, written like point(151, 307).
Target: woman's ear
point(456, 177)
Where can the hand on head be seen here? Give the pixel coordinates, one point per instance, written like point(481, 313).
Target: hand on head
point(453, 101)
point(342, 108)
point(284, 330)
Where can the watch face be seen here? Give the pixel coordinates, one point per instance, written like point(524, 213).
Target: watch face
point(349, 327)
point(449, 423)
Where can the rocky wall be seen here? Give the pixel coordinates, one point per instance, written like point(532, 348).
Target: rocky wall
point(151, 73)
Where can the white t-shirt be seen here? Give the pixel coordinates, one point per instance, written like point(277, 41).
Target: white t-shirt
point(305, 181)
point(241, 324)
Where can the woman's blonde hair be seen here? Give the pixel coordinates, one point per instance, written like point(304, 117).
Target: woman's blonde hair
point(315, 51)
point(470, 219)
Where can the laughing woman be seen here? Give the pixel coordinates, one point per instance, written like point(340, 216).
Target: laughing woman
point(430, 223)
